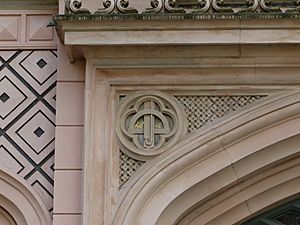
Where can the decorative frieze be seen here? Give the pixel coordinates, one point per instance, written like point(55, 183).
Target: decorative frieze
point(190, 6)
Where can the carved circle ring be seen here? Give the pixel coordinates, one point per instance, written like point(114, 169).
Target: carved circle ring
point(149, 123)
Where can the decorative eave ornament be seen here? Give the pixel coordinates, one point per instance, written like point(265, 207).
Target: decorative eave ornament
point(115, 7)
point(164, 6)
point(195, 6)
point(250, 6)
point(74, 7)
point(288, 6)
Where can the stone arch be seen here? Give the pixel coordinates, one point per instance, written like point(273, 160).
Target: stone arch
point(6, 218)
point(19, 203)
point(219, 165)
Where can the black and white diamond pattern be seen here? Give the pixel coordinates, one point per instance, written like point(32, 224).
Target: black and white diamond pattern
point(27, 117)
point(14, 96)
point(38, 68)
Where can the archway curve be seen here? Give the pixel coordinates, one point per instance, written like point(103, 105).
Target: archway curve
point(6, 218)
point(20, 201)
point(235, 201)
point(220, 148)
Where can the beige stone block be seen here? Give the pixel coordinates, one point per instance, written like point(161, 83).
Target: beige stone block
point(271, 23)
point(152, 37)
point(186, 51)
point(269, 181)
point(270, 50)
point(67, 219)
point(67, 191)
point(232, 207)
point(69, 106)
point(237, 213)
point(277, 75)
point(67, 71)
point(200, 171)
point(173, 76)
point(274, 195)
point(68, 147)
point(270, 36)
point(267, 156)
point(258, 141)
point(198, 195)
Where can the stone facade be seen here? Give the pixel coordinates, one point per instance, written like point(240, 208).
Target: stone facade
point(160, 113)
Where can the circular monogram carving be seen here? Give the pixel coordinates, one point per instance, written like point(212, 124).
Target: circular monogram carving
point(149, 123)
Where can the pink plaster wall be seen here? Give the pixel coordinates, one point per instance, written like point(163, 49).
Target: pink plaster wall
point(69, 141)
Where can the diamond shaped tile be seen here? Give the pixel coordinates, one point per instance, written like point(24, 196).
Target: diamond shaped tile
point(34, 132)
point(37, 132)
point(11, 97)
point(38, 68)
point(14, 97)
point(4, 97)
point(41, 63)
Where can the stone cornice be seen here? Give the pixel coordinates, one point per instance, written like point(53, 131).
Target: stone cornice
point(176, 16)
point(82, 31)
point(174, 29)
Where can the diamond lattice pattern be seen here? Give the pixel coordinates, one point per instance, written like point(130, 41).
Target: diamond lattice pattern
point(203, 110)
point(128, 166)
point(27, 117)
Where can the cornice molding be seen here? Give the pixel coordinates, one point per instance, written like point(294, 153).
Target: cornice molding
point(83, 31)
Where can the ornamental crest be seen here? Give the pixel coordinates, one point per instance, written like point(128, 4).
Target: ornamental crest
point(149, 123)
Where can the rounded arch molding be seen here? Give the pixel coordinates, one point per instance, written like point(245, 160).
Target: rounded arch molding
point(220, 173)
point(20, 202)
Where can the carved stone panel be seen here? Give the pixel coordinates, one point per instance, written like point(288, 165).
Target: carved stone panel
point(149, 123)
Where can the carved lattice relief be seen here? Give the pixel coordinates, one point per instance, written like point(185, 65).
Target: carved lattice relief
point(149, 123)
point(128, 166)
point(199, 111)
point(27, 117)
point(202, 110)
